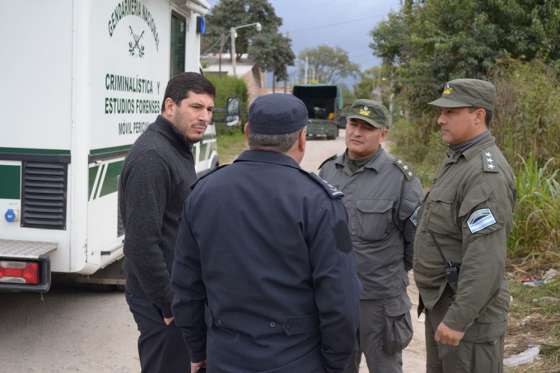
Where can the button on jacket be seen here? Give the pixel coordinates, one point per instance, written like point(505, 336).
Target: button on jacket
point(381, 199)
point(468, 215)
point(266, 246)
point(156, 179)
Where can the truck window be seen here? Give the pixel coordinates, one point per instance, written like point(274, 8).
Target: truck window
point(178, 32)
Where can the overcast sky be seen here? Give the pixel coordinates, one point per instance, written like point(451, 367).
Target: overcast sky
point(338, 23)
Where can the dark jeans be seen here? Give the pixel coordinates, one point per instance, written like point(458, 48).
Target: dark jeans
point(161, 348)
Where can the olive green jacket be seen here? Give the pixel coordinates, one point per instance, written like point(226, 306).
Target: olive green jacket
point(468, 215)
point(380, 198)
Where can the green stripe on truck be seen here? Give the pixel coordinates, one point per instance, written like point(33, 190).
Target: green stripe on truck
point(10, 182)
point(34, 151)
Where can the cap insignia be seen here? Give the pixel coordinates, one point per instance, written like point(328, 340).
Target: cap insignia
point(365, 111)
point(447, 90)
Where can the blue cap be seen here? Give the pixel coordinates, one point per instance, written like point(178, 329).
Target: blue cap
point(277, 114)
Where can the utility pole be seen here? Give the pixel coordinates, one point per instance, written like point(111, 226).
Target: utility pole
point(306, 70)
point(222, 42)
point(233, 35)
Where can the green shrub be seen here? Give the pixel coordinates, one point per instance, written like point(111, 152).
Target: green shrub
point(527, 120)
point(228, 86)
point(425, 155)
point(536, 228)
point(230, 139)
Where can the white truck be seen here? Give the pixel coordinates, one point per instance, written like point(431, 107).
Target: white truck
point(81, 80)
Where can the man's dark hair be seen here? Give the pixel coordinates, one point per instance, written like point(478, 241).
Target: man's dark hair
point(487, 116)
point(181, 84)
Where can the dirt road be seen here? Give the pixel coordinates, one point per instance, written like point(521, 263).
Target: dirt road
point(74, 329)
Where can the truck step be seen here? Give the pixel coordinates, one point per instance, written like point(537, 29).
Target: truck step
point(16, 249)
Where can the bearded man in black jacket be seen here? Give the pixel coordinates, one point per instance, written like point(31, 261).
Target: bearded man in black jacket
point(156, 179)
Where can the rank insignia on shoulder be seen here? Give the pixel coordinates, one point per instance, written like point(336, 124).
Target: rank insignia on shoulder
point(331, 158)
point(405, 169)
point(488, 163)
point(333, 192)
point(480, 219)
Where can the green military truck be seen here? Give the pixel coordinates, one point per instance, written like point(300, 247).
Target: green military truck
point(323, 103)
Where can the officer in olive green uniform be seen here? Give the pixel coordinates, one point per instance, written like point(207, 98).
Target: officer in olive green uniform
point(460, 245)
point(381, 195)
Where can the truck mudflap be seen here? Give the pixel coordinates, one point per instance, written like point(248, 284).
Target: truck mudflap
point(25, 265)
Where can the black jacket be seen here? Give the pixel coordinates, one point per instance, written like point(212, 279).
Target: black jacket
point(156, 178)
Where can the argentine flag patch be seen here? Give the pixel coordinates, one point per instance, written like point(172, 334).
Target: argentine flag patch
point(480, 219)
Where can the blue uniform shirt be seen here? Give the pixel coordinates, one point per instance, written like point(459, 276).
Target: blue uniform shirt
point(265, 245)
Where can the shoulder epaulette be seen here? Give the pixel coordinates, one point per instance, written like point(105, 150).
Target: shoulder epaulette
point(331, 158)
point(488, 163)
point(206, 174)
point(330, 189)
point(405, 169)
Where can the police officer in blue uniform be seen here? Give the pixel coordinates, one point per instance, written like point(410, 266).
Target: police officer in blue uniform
point(264, 246)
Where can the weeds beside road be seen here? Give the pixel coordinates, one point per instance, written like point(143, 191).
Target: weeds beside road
point(230, 143)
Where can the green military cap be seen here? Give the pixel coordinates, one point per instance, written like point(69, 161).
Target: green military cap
point(467, 93)
point(372, 112)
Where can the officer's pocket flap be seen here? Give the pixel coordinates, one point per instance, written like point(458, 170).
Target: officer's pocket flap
point(300, 325)
point(374, 217)
point(477, 195)
point(378, 206)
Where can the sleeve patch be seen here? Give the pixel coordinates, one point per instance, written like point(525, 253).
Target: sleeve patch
point(480, 219)
point(414, 217)
point(342, 237)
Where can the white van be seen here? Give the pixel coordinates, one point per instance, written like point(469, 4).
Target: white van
point(82, 79)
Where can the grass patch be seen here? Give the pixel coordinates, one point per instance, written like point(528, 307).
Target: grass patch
point(536, 231)
point(534, 319)
point(230, 143)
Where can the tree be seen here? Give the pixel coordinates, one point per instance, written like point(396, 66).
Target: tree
point(232, 13)
point(273, 52)
point(375, 83)
point(327, 64)
point(269, 49)
point(429, 42)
